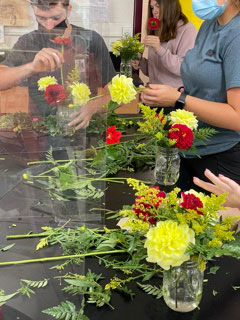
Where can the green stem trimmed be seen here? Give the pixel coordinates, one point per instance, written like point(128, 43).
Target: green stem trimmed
point(92, 254)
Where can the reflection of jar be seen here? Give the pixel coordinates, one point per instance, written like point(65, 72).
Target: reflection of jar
point(81, 60)
point(126, 68)
point(182, 287)
point(167, 166)
point(63, 119)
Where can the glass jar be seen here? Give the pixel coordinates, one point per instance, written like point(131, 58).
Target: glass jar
point(63, 119)
point(126, 68)
point(167, 166)
point(182, 287)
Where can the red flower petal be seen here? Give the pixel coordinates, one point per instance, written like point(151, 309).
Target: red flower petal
point(182, 134)
point(112, 135)
point(190, 201)
point(55, 93)
point(153, 23)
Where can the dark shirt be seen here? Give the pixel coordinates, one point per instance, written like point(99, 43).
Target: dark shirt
point(88, 49)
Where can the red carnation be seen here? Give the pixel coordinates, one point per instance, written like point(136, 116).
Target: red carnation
point(112, 135)
point(182, 134)
point(61, 40)
point(55, 93)
point(190, 201)
point(153, 23)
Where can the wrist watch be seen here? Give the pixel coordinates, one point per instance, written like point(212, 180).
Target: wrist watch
point(180, 103)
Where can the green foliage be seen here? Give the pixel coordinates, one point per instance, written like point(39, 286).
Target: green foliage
point(204, 134)
point(152, 290)
point(4, 298)
point(36, 284)
point(25, 290)
point(128, 47)
point(66, 310)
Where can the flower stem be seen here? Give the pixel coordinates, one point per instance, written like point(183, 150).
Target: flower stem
point(8, 263)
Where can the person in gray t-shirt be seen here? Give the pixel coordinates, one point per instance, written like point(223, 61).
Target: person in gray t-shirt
point(211, 78)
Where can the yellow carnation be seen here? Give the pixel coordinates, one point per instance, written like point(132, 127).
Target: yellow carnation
point(184, 117)
point(122, 90)
point(167, 243)
point(44, 82)
point(81, 93)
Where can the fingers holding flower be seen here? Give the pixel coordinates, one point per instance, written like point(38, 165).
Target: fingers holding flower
point(161, 95)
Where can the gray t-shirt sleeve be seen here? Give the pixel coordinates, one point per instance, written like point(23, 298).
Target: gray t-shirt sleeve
point(231, 64)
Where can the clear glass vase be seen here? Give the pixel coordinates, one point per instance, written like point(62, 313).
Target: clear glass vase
point(167, 166)
point(126, 68)
point(182, 287)
point(63, 119)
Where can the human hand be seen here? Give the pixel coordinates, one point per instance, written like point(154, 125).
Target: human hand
point(47, 59)
point(152, 41)
point(160, 95)
point(219, 185)
point(83, 116)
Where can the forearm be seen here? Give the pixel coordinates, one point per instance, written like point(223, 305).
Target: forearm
point(11, 77)
point(221, 115)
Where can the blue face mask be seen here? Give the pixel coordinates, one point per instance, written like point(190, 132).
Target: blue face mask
point(207, 9)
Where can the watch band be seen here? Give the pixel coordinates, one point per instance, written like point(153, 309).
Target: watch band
point(180, 103)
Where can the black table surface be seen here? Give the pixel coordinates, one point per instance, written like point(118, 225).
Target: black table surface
point(17, 207)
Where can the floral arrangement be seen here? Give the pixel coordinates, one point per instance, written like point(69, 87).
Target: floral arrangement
point(128, 47)
point(153, 23)
point(179, 129)
point(189, 222)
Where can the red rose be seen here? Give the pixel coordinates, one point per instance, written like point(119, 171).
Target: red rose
point(182, 134)
point(153, 23)
point(55, 93)
point(190, 201)
point(113, 136)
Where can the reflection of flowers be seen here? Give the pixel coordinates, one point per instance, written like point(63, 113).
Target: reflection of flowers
point(55, 93)
point(122, 90)
point(81, 93)
point(113, 136)
point(44, 82)
point(153, 23)
point(182, 135)
point(167, 243)
point(62, 40)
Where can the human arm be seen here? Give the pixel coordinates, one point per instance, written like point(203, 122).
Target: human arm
point(223, 115)
point(171, 55)
point(220, 185)
point(47, 59)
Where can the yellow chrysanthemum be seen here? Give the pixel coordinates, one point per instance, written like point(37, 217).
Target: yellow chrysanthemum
point(115, 47)
point(122, 90)
point(44, 82)
point(184, 117)
point(81, 93)
point(167, 243)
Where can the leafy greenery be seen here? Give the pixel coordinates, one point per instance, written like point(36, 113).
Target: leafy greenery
point(152, 290)
point(66, 310)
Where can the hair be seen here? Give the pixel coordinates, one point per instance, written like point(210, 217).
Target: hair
point(237, 4)
point(48, 4)
point(170, 12)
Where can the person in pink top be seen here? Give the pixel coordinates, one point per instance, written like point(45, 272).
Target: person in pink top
point(168, 44)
